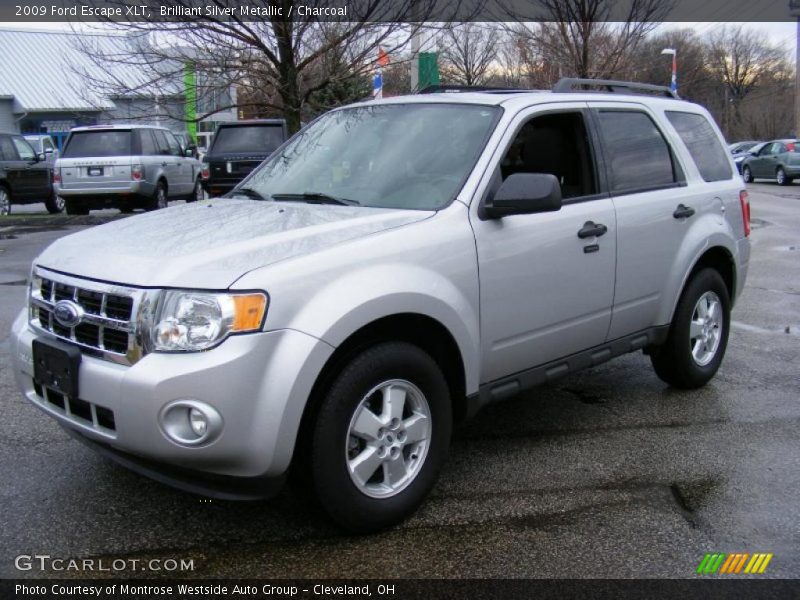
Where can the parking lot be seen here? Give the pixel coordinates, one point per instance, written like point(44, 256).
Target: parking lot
point(604, 474)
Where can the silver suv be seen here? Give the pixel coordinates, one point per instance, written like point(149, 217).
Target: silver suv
point(126, 167)
point(391, 269)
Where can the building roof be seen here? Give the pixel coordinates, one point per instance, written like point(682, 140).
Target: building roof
point(42, 70)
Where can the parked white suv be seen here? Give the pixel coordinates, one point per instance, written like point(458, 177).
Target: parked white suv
point(125, 167)
point(391, 269)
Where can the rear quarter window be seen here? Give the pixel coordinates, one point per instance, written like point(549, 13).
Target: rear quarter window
point(703, 144)
point(109, 142)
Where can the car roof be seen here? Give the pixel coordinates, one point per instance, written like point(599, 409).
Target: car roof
point(118, 126)
point(251, 122)
point(514, 99)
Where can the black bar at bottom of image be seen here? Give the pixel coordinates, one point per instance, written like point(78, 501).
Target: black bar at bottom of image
point(496, 589)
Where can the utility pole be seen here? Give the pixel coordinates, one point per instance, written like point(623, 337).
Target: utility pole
point(794, 6)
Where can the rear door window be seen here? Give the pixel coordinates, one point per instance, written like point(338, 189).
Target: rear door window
point(7, 151)
point(703, 144)
point(172, 144)
point(149, 147)
point(261, 139)
point(24, 149)
point(638, 156)
point(109, 142)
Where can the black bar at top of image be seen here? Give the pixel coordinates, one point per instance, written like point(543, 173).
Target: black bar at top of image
point(394, 589)
point(380, 10)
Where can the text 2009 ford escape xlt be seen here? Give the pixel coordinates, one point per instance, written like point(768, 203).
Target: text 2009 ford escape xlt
point(389, 270)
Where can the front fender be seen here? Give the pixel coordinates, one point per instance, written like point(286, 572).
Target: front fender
point(360, 297)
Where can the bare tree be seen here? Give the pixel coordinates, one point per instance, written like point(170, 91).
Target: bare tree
point(468, 51)
point(578, 38)
point(279, 63)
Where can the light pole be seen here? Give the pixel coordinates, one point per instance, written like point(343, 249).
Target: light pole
point(674, 83)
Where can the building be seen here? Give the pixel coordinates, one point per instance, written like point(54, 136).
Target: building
point(47, 86)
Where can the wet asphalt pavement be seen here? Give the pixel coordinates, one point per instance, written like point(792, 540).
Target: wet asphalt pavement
point(605, 474)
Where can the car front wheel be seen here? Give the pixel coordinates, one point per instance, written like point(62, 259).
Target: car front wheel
point(747, 175)
point(5, 202)
point(380, 437)
point(197, 192)
point(54, 204)
point(698, 335)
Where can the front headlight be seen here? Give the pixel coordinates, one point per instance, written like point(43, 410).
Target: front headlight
point(187, 321)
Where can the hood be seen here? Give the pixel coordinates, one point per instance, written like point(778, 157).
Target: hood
point(211, 244)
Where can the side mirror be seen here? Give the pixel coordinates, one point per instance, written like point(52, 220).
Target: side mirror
point(523, 194)
point(191, 151)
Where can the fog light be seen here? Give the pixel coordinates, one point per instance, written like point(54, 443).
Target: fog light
point(190, 422)
point(198, 422)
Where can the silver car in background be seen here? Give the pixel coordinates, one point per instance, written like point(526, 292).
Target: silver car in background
point(125, 167)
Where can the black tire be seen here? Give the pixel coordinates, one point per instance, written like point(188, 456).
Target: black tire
point(781, 177)
point(336, 491)
point(54, 204)
point(747, 175)
point(126, 209)
point(159, 199)
point(5, 201)
point(76, 207)
point(674, 362)
point(197, 192)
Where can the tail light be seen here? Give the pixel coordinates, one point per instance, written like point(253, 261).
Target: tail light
point(137, 173)
point(745, 211)
point(205, 171)
point(56, 175)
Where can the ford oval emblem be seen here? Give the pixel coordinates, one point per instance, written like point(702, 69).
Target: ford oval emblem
point(67, 313)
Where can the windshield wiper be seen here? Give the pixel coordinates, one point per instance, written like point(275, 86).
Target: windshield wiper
point(317, 197)
point(249, 192)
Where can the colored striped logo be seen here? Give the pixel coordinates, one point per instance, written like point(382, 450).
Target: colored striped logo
point(727, 564)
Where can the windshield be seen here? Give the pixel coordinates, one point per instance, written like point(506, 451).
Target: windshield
point(257, 138)
point(413, 156)
point(108, 142)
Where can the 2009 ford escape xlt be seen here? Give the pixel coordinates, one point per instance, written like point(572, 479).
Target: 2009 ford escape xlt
point(389, 270)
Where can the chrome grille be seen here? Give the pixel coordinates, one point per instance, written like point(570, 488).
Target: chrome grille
point(107, 327)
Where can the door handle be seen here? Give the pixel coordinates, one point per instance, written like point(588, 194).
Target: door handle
point(683, 212)
point(591, 229)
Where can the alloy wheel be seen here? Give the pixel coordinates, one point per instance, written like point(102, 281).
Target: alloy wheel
point(388, 438)
point(705, 330)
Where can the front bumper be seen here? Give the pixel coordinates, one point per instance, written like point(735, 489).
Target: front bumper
point(259, 384)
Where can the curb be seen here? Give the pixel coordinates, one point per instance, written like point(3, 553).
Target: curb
point(57, 220)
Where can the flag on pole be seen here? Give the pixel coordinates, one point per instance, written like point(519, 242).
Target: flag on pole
point(383, 57)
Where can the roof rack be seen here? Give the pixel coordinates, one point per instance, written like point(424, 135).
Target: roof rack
point(454, 89)
point(567, 84)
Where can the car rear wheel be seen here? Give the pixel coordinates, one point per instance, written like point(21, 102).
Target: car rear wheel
point(5, 202)
point(781, 177)
point(159, 199)
point(54, 204)
point(380, 437)
point(747, 175)
point(698, 334)
point(76, 207)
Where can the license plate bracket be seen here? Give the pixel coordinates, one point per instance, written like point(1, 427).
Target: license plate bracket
point(94, 171)
point(56, 365)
